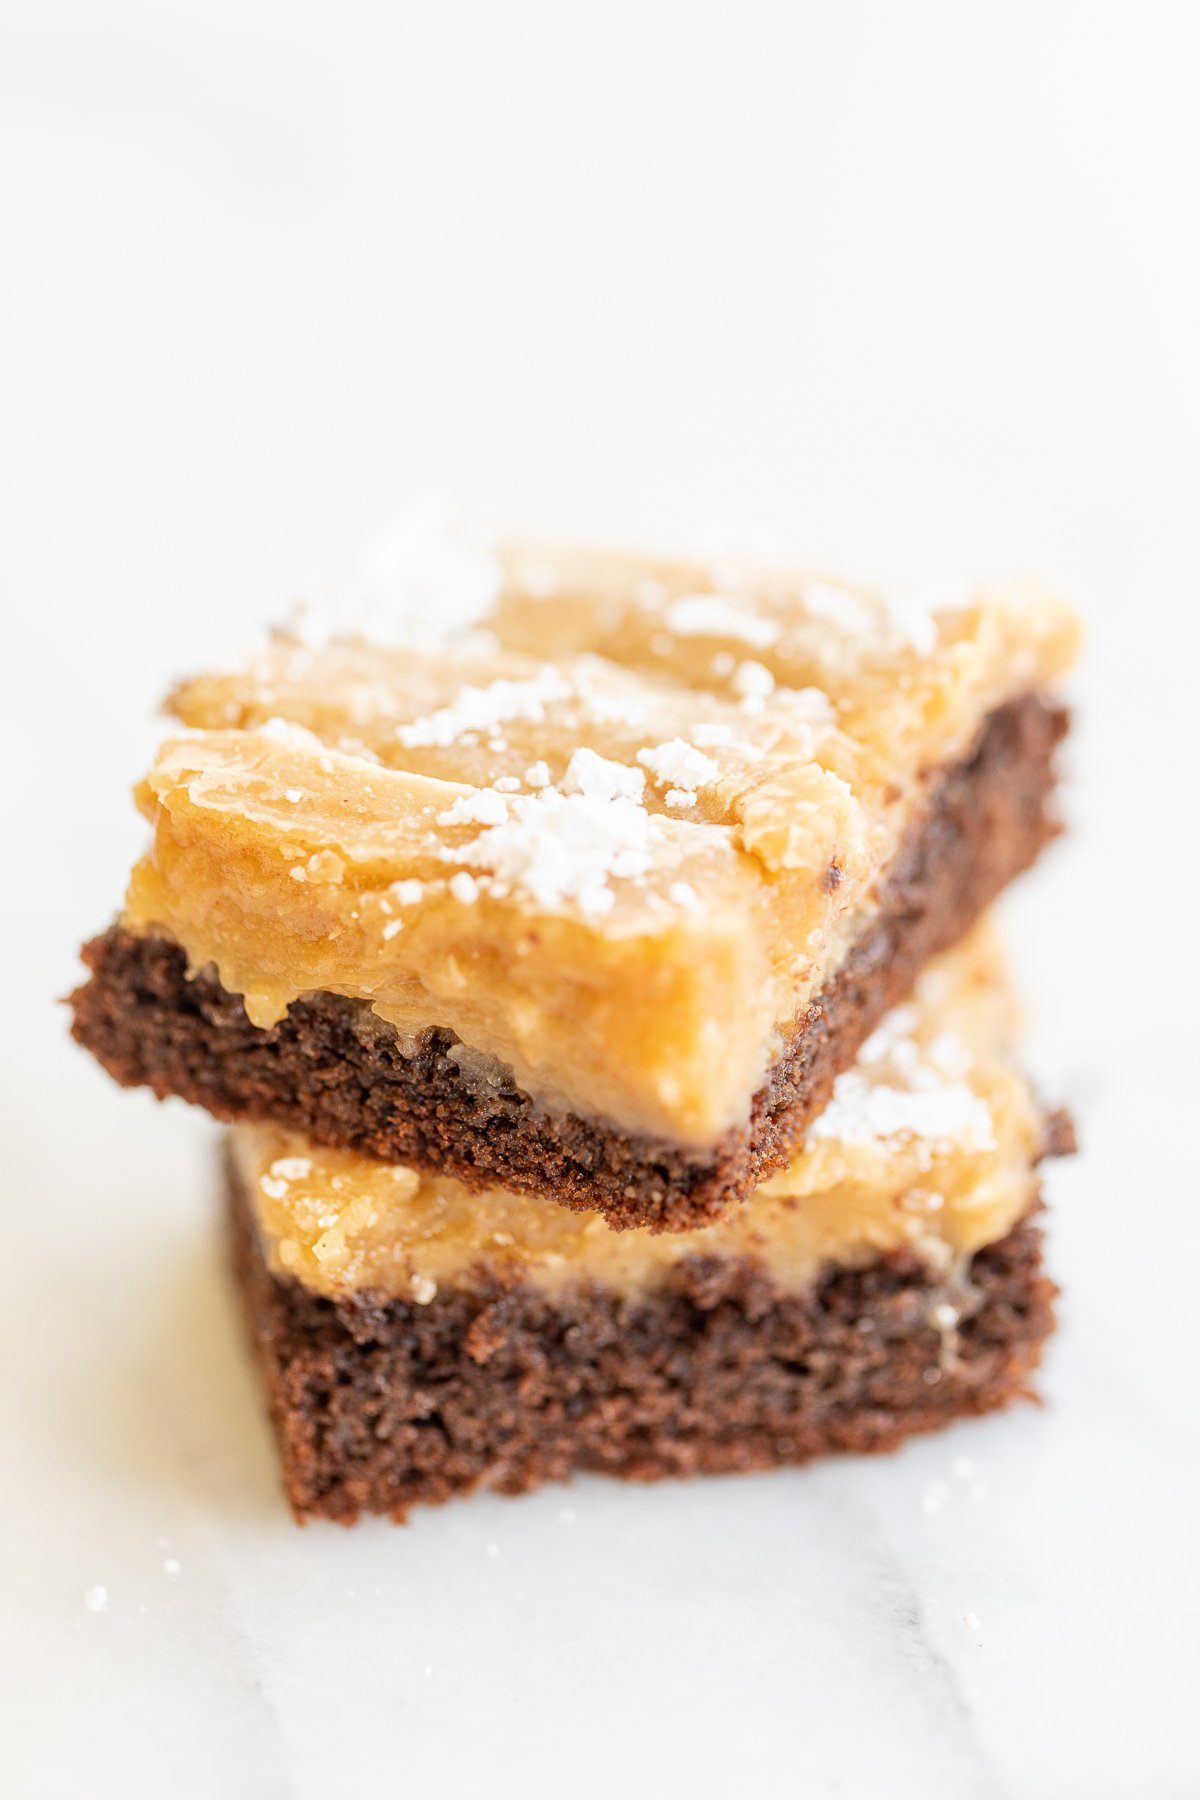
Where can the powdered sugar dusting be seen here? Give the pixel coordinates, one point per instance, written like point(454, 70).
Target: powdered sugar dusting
point(862, 1110)
point(897, 1089)
point(481, 709)
point(430, 572)
point(484, 807)
point(292, 1168)
point(607, 708)
point(810, 705)
point(838, 607)
point(754, 684)
point(909, 613)
point(464, 888)
point(912, 614)
point(565, 847)
point(715, 615)
point(601, 778)
point(706, 736)
point(678, 764)
point(285, 731)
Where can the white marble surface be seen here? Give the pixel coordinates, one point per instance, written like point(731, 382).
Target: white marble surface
point(916, 286)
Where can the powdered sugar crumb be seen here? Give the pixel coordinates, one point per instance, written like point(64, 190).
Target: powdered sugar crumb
point(716, 615)
point(893, 1031)
point(464, 888)
point(754, 684)
point(838, 607)
point(897, 1090)
point(811, 705)
point(481, 709)
point(292, 1168)
point(429, 573)
point(286, 731)
point(908, 614)
point(862, 1110)
point(606, 708)
point(484, 807)
point(707, 736)
point(565, 847)
point(914, 609)
point(678, 764)
point(602, 779)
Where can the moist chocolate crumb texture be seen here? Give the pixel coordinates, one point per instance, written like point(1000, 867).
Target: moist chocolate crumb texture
point(598, 900)
point(420, 1340)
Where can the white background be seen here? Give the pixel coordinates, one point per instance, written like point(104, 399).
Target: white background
point(915, 285)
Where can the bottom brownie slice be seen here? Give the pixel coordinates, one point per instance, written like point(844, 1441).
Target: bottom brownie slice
point(379, 1407)
point(419, 1340)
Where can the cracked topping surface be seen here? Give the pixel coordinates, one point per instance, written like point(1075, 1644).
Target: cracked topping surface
point(616, 835)
point(929, 1143)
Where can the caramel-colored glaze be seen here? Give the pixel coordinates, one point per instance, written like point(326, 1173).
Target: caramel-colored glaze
point(929, 1145)
point(910, 673)
point(616, 842)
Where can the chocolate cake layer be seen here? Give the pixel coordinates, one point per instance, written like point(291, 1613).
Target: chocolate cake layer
point(334, 1071)
point(381, 1404)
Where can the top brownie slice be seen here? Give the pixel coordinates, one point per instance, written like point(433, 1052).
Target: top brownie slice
point(599, 899)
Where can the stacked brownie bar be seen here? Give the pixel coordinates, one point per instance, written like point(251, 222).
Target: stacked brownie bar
point(618, 1073)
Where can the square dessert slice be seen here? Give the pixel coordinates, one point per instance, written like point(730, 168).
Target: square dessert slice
point(420, 1340)
point(597, 901)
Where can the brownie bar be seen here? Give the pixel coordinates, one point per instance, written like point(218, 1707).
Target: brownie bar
point(332, 1070)
point(381, 1404)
